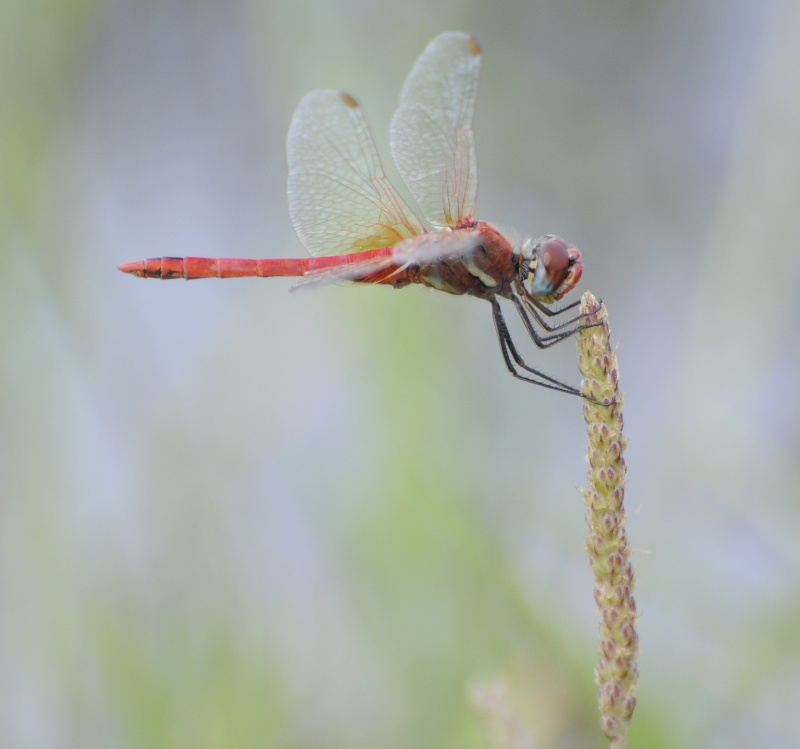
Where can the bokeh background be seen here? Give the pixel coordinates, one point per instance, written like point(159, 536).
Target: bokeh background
point(233, 516)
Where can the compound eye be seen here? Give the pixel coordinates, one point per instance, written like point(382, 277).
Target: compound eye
point(555, 256)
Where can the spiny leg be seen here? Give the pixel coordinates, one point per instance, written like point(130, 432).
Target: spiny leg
point(507, 347)
point(543, 341)
point(510, 351)
point(535, 307)
point(553, 312)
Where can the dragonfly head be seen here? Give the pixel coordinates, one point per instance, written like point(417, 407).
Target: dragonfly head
point(552, 269)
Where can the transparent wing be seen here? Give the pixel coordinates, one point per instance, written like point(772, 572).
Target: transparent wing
point(432, 139)
point(340, 199)
point(413, 251)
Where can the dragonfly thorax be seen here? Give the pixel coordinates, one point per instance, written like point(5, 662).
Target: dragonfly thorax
point(550, 268)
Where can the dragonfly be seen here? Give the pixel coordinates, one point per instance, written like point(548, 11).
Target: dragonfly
point(358, 228)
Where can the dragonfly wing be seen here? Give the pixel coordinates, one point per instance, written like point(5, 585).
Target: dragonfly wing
point(435, 246)
point(427, 248)
point(432, 140)
point(340, 199)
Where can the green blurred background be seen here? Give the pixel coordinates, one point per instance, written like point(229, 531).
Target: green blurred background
point(231, 516)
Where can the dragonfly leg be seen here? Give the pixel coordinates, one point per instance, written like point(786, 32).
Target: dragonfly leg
point(535, 307)
point(510, 352)
point(550, 312)
point(555, 336)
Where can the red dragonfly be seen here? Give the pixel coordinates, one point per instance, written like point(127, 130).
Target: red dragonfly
point(357, 227)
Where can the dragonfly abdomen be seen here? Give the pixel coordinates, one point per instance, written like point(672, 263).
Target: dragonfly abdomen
point(231, 267)
point(207, 267)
